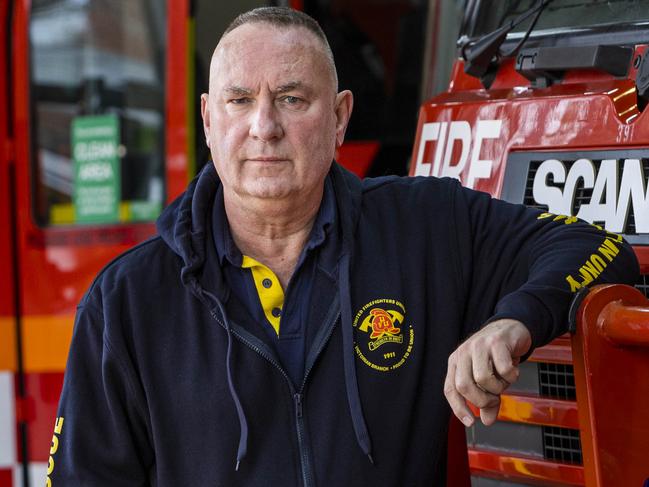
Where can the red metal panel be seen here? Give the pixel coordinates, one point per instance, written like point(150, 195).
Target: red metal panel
point(532, 471)
point(6, 292)
point(43, 391)
point(177, 114)
point(357, 156)
point(612, 384)
point(7, 311)
point(643, 257)
point(538, 410)
point(457, 461)
point(560, 117)
point(557, 352)
point(6, 477)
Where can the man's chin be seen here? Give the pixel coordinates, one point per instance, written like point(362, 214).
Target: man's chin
point(270, 191)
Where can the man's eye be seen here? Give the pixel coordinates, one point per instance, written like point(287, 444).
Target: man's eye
point(292, 100)
point(240, 101)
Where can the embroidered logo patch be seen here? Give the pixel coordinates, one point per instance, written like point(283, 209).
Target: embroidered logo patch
point(384, 338)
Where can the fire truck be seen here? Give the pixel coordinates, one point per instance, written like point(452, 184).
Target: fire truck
point(547, 106)
point(92, 145)
point(100, 128)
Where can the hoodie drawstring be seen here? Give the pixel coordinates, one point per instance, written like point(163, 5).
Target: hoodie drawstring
point(243, 422)
point(351, 383)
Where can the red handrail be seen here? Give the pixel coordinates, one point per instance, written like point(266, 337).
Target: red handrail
point(625, 325)
point(611, 361)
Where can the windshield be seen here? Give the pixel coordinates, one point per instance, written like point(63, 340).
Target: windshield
point(97, 84)
point(560, 14)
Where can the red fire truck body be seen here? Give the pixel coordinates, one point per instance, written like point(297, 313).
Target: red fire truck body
point(546, 128)
point(46, 266)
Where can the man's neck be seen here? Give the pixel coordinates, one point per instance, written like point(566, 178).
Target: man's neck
point(272, 232)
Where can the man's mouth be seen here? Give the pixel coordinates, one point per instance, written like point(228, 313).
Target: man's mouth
point(267, 160)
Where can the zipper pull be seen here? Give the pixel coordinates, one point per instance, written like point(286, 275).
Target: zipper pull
point(298, 405)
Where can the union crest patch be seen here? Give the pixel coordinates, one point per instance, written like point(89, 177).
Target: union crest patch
point(383, 337)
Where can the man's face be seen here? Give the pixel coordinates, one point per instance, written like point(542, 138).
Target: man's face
point(272, 118)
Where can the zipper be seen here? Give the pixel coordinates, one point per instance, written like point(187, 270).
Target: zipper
point(305, 459)
point(301, 441)
point(320, 348)
point(297, 396)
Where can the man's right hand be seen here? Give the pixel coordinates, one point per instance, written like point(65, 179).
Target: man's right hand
point(483, 367)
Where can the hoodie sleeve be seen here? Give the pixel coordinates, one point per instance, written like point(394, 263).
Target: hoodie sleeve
point(100, 437)
point(524, 264)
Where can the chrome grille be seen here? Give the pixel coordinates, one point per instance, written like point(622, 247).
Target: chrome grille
point(557, 381)
point(561, 444)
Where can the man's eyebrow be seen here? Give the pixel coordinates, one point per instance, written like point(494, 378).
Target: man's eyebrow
point(291, 86)
point(285, 88)
point(237, 90)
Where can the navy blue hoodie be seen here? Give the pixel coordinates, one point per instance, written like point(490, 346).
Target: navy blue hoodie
point(164, 387)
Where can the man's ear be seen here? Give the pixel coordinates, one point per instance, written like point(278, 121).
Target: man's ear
point(343, 108)
point(205, 113)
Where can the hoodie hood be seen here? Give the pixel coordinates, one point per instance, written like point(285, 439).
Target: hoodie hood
point(185, 223)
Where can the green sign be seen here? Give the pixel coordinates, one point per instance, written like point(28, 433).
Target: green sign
point(144, 210)
point(95, 143)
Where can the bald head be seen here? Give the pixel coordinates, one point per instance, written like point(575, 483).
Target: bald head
point(283, 18)
point(273, 118)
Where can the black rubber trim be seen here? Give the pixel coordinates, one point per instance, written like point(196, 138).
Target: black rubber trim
point(574, 308)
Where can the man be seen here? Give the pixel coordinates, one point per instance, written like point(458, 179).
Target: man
point(293, 325)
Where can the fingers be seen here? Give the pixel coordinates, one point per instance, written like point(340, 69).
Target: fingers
point(460, 386)
point(455, 399)
point(483, 371)
point(483, 367)
point(505, 368)
point(467, 384)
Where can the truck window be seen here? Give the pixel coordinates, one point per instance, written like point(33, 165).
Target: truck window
point(97, 91)
point(561, 14)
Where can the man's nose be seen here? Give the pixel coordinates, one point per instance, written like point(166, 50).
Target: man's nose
point(266, 124)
